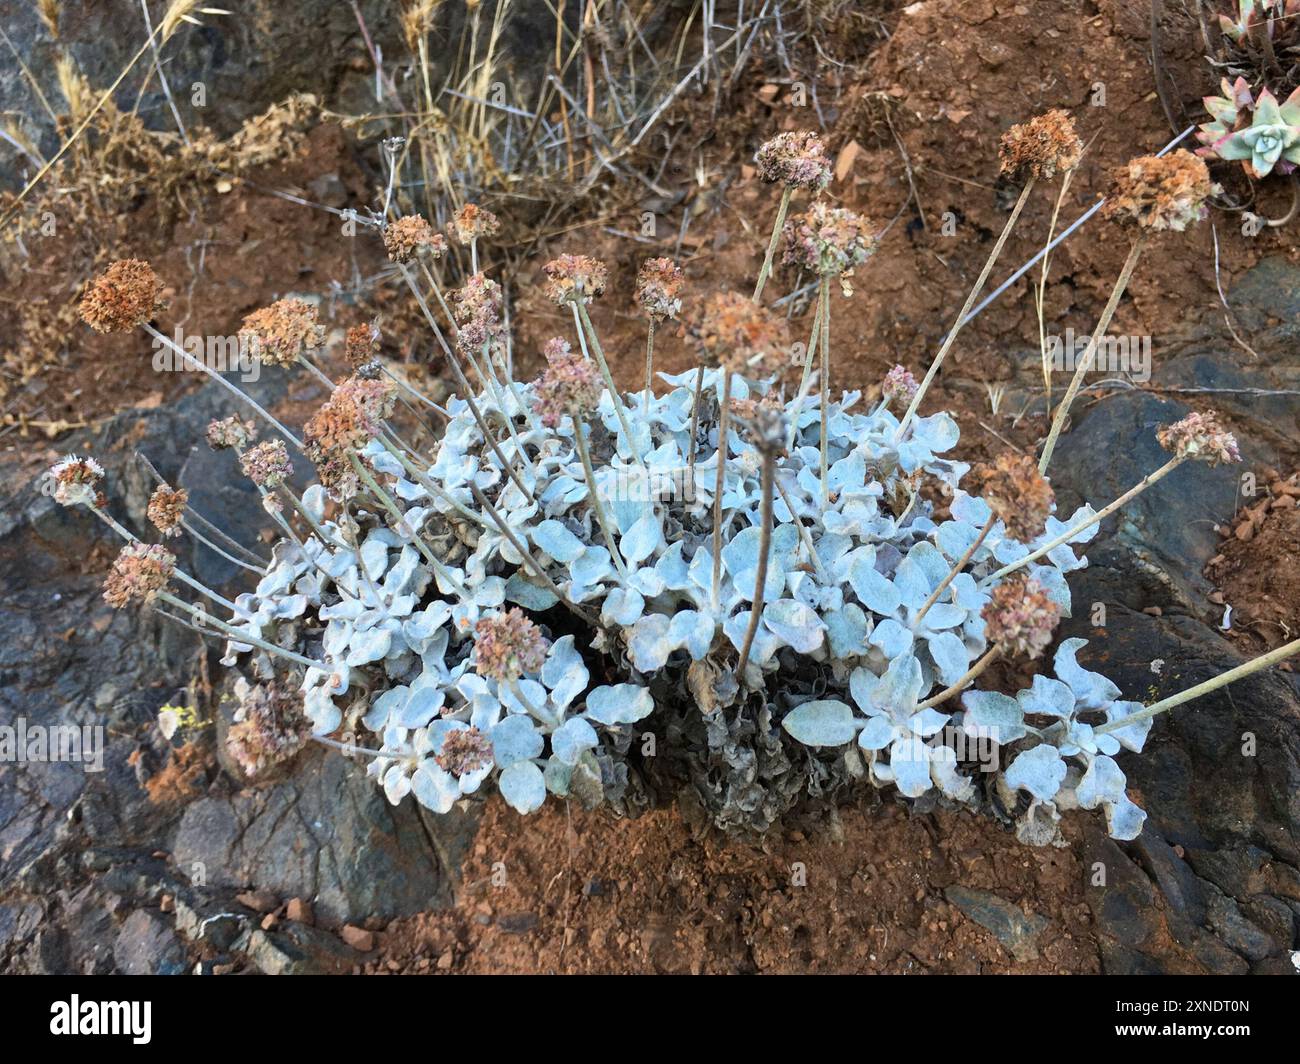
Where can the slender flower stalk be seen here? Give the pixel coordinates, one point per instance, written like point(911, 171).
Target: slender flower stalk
point(1090, 352)
point(587, 331)
point(782, 208)
point(243, 396)
point(1213, 684)
point(975, 291)
point(522, 549)
point(724, 431)
point(1087, 523)
point(470, 401)
point(180, 575)
point(958, 566)
point(593, 493)
point(969, 677)
point(769, 434)
point(202, 617)
point(825, 383)
point(399, 519)
point(695, 424)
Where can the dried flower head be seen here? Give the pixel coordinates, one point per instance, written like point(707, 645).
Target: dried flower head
point(828, 240)
point(76, 480)
point(658, 288)
point(1020, 616)
point(464, 751)
point(280, 333)
point(472, 222)
point(899, 384)
point(740, 335)
point(1200, 437)
point(1155, 192)
point(349, 419)
point(477, 305)
point(125, 295)
point(1041, 146)
point(410, 236)
point(796, 160)
point(569, 386)
point(361, 343)
point(570, 278)
point(1018, 494)
point(166, 509)
point(507, 645)
point(267, 465)
point(269, 726)
point(230, 432)
point(140, 571)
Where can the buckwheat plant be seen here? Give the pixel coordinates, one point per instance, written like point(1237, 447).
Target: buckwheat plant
point(549, 601)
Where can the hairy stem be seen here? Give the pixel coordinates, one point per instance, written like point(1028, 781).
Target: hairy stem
point(724, 428)
point(970, 676)
point(952, 573)
point(1083, 526)
point(766, 270)
point(243, 396)
point(961, 318)
point(764, 545)
point(583, 321)
point(203, 617)
point(1212, 684)
point(1090, 353)
point(579, 436)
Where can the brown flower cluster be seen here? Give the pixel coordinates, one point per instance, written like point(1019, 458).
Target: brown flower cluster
point(166, 509)
point(464, 751)
point(1018, 494)
point(472, 222)
point(570, 278)
point(507, 645)
point(349, 419)
point(410, 236)
point(1041, 146)
point(1155, 192)
point(1020, 616)
point(280, 333)
point(796, 160)
point(476, 305)
point(361, 344)
point(740, 335)
point(140, 571)
point(269, 726)
point(1200, 437)
point(76, 481)
point(659, 288)
point(125, 295)
point(267, 465)
point(828, 240)
point(230, 432)
point(570, 384)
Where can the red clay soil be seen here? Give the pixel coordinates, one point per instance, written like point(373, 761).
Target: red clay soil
point(568, 891)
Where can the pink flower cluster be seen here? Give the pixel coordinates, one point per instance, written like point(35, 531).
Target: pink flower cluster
point(507, 645)
point(796, 160)
point(570, 385)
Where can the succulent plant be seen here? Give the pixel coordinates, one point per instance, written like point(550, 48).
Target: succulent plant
point(1260, 133)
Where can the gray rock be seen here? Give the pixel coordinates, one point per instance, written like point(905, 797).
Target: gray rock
point(326, 834)
point(299, 949)
point(1011, 925)
point(146, 945)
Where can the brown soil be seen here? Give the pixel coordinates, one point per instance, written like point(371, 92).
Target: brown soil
point(575, 892)
point(1258, 569)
